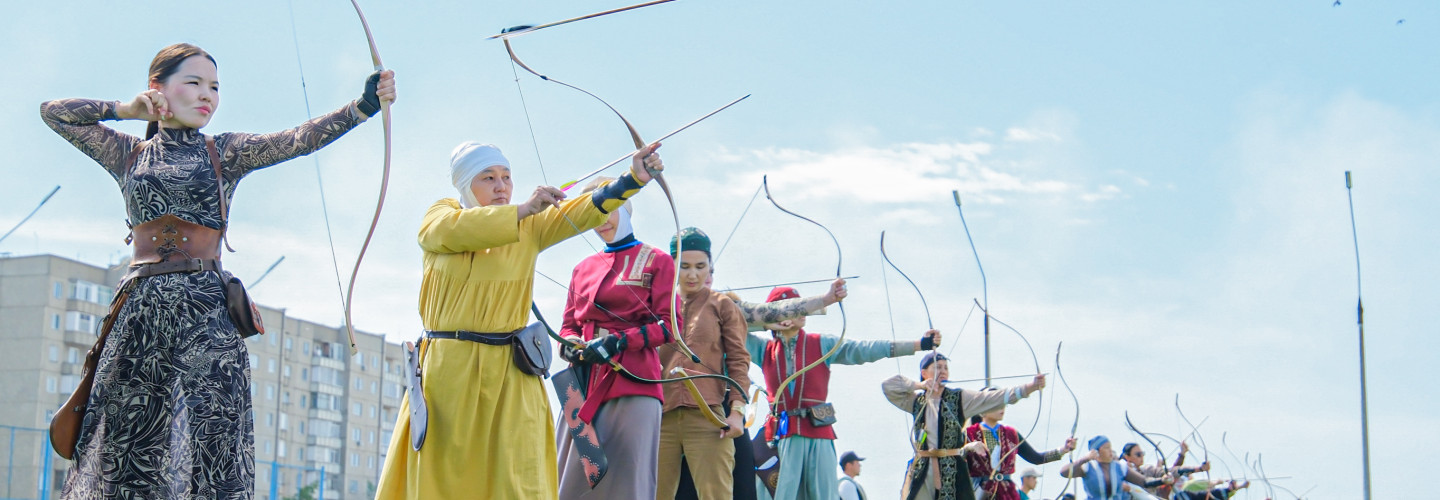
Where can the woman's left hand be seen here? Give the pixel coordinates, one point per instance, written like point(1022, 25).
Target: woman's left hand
point(379, 90)
point(645, 161)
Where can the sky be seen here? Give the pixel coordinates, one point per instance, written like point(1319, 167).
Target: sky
point(1159, 185)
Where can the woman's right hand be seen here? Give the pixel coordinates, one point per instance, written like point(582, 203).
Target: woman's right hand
point(150, 106)
point(544, 197)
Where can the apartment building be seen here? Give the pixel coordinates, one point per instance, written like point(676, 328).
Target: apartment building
point(319, 411)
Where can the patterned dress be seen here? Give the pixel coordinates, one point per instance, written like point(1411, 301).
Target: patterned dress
point(169, 415)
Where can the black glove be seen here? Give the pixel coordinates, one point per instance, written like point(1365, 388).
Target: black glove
point(570, 353)
point(369, 102)
point(927, 343)
point(602, 349)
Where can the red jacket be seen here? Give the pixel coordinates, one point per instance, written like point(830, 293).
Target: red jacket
point(625, 292)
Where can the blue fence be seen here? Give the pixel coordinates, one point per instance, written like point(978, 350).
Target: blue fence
point(25, 477)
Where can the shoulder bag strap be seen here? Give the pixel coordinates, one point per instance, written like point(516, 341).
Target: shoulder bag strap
point(220, 191)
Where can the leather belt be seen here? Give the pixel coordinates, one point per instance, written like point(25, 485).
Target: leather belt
point(173, 266)
point(950, 452)
point(506, 338)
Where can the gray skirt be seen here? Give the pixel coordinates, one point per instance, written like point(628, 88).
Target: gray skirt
point(629, 432)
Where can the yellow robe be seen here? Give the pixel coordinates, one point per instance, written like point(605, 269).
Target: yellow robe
point(490, 433)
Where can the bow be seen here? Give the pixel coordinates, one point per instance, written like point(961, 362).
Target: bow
point(384, 181)
point(1164, 463)
point(1200, 440)
point(1074, 425)
point(1039, 401)
point(985, 287)
point(657, 176)
point(839, 259)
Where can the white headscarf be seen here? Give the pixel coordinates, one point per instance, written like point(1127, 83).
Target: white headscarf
point(467, 161)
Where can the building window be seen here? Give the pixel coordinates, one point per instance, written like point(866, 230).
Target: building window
point(372, 437)
point(269, 362)
point(68, 383)
point(50, 385)
point(303, 401)
point(374, 387)
point(281, 446)
point(72, 355)
point(54, 321)
point(359, 384)
point(288, 343)
point(285, 397)
point(270, 391)
point(81, 322)
point(268, 447)
point(60, 288)
point(355, 434)
point(304, 374)
point(305, 347)
point(269, 418)
point(284, 422)
point(354, 410)
point(370, 462)
point(286, 370)
point(302, 433)
point(355, 462)
point(54, 354)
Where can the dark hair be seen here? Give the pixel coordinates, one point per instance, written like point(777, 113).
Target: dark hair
point(1125, 450)
point(166, 63)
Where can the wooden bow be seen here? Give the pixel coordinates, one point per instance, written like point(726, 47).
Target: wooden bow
point(384, 182)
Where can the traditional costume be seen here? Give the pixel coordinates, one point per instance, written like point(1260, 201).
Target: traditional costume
point(1106, 480)
point(491, 433)
point(169, 413)
point(715, 331)
point(807, 450)
point(623, 292)
point(1002, 443)
point(937, 471)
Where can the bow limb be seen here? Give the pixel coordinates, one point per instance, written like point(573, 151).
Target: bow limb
point(1040, 402)
point(384, 182)
point(839, 260)
point(1074, 425)
point(657, 176)
point(923, 303)
point(1196, 432)
point(1164, 463)
point(705, 410)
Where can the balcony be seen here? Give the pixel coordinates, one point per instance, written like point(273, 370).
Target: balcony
point(327, 388)
point(334, 364)
point(331, 415)
point(324, 441)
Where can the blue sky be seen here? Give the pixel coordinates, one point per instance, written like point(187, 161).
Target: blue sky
point(1158, 185)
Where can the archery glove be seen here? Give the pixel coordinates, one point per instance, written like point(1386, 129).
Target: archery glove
point(601, 350)
point(927, 343)
point(369, 102)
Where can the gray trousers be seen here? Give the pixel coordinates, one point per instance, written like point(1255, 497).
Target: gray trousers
point(629, 432)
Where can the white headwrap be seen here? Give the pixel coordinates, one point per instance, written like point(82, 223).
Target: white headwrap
point(622, 223)
point(622, 214)
point(467, 161)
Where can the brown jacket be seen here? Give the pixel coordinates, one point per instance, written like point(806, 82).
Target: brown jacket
point(715, 330)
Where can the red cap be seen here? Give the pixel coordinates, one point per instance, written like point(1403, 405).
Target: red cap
point(782, 293)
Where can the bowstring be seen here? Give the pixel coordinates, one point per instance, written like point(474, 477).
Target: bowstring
point(319, 179)
point(728, 237)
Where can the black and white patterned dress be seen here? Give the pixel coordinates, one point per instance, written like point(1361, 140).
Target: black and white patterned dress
point(169, 415)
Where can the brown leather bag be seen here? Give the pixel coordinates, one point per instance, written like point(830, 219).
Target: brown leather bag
point(65, 424)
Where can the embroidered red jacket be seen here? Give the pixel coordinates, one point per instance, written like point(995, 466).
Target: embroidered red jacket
point(626, 292)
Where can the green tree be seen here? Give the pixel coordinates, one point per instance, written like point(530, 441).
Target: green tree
point(305, 493)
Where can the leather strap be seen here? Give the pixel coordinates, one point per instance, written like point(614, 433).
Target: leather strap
point(220, 191)
point(174, 266)
point(948, 452)
point(499, 339)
